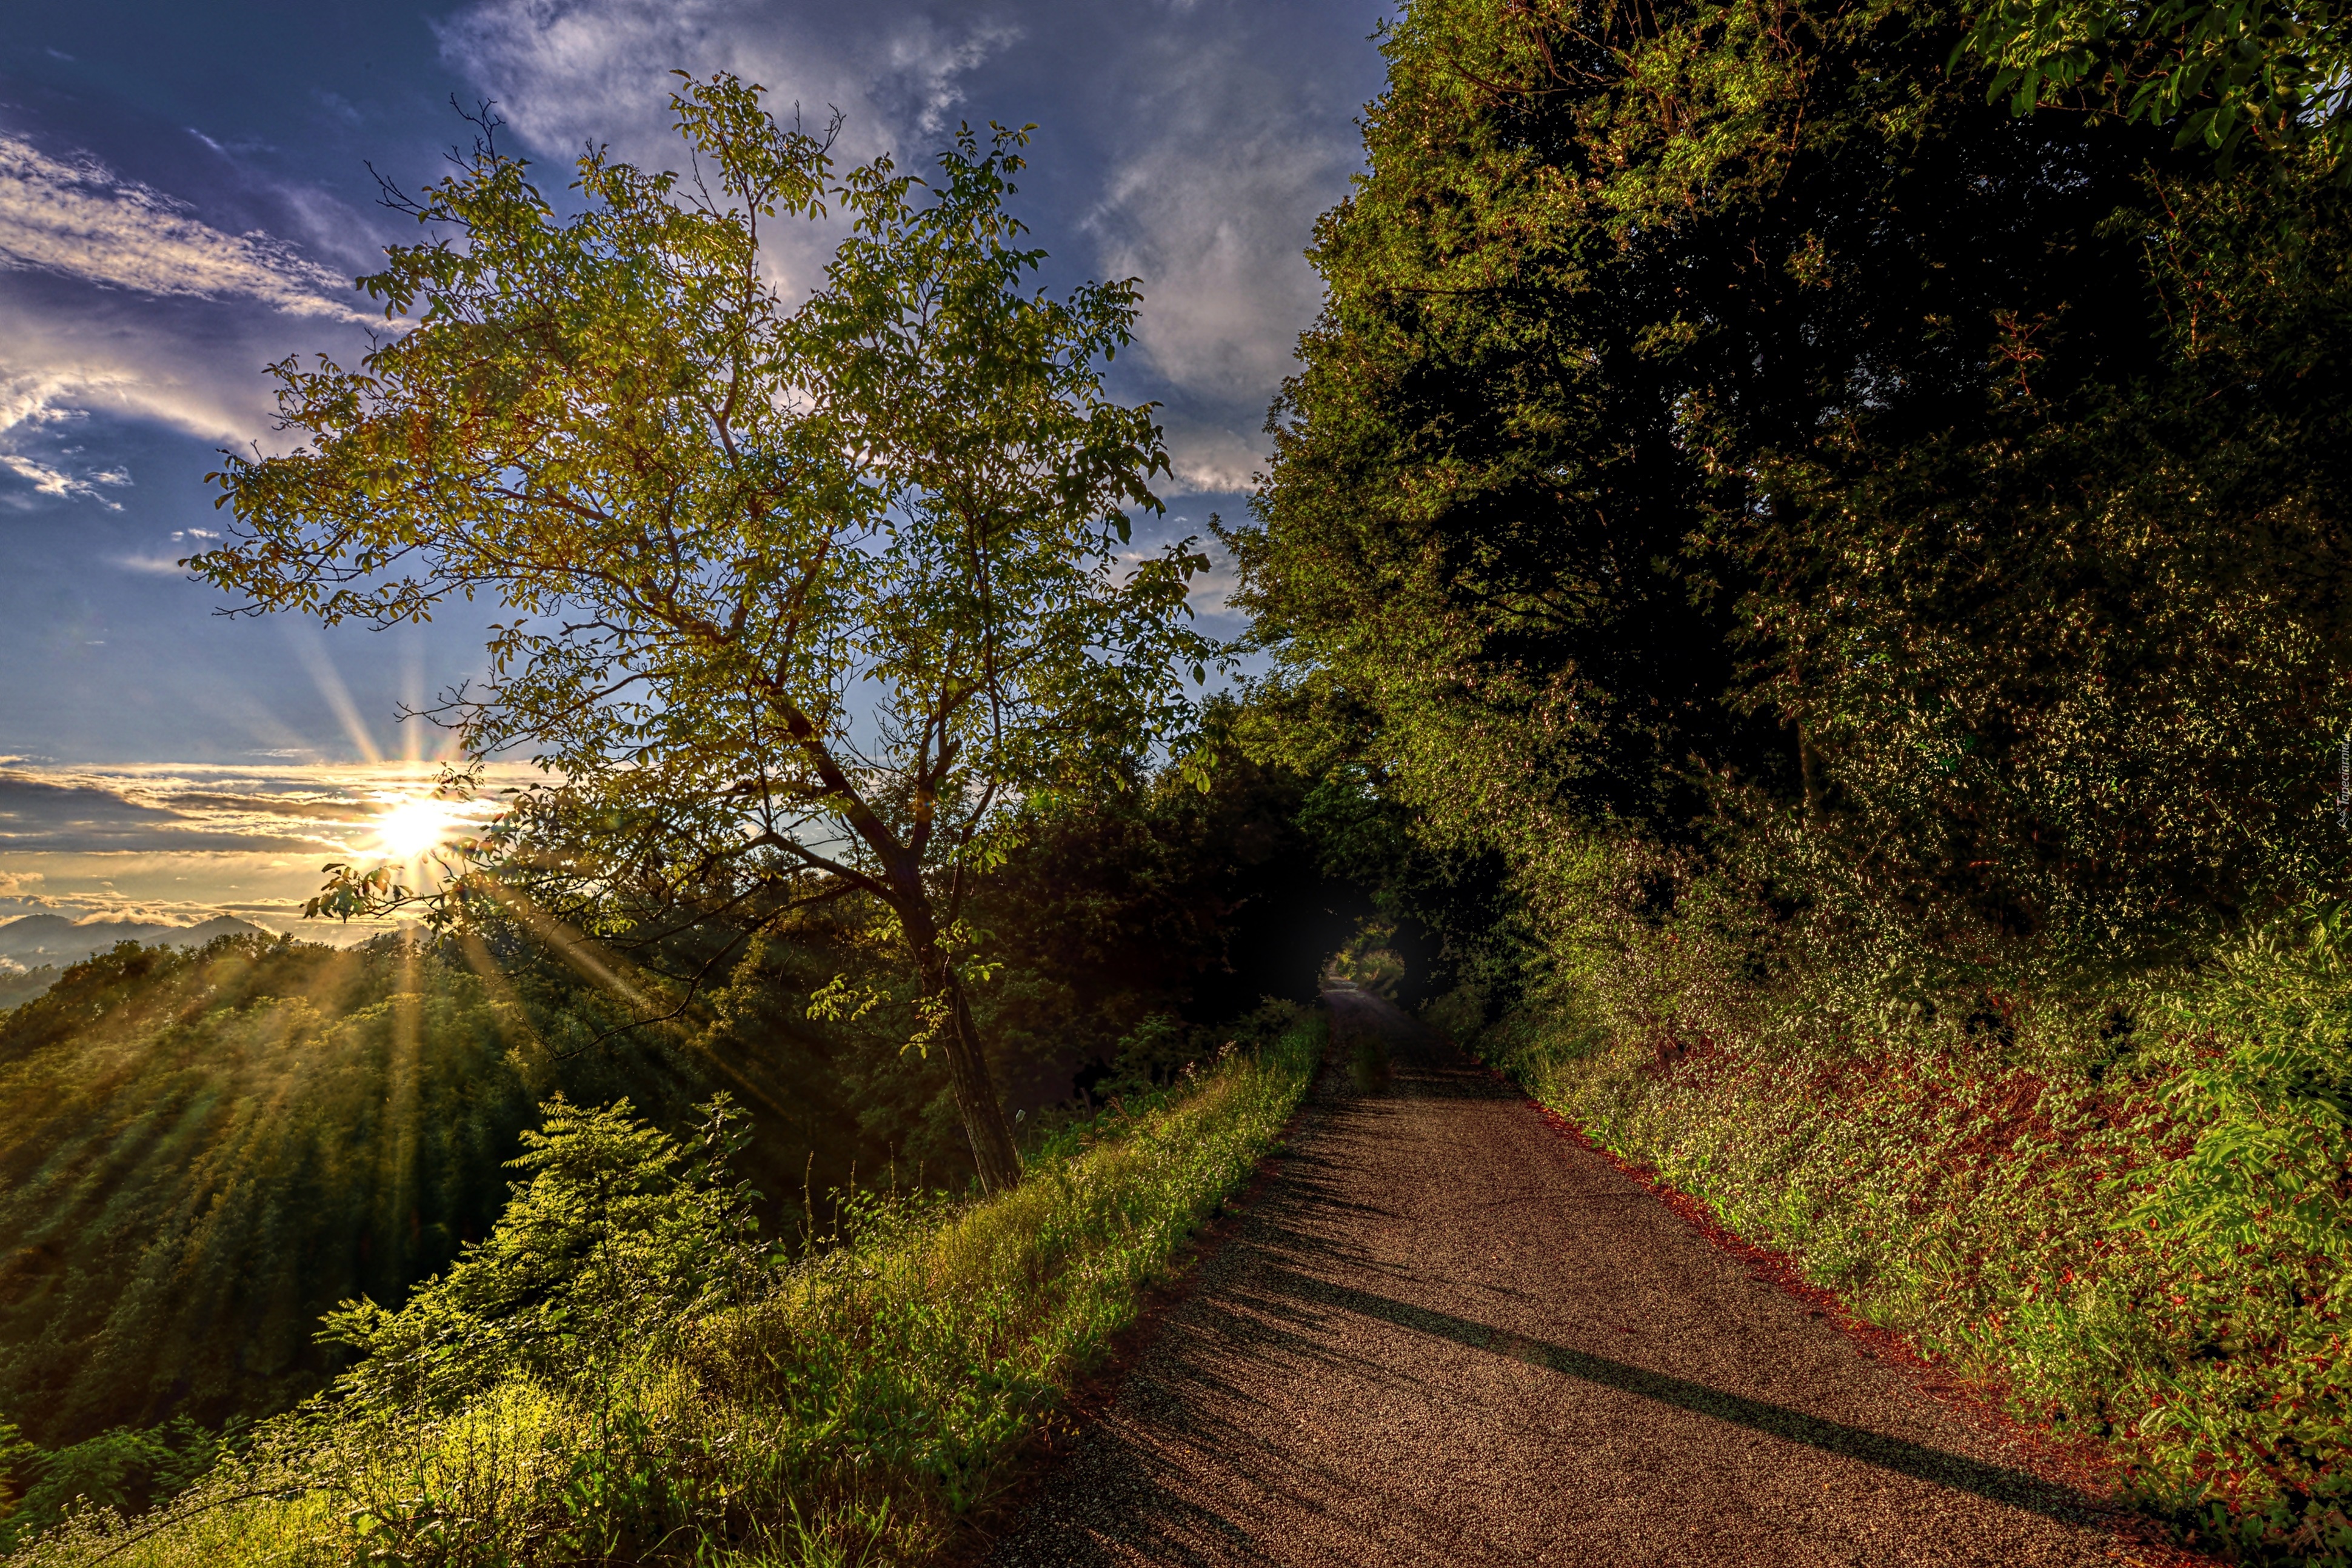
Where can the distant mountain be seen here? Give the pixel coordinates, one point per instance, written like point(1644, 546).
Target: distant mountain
point(34, 940)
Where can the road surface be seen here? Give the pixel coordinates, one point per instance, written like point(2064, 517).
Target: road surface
point(1445, 1334)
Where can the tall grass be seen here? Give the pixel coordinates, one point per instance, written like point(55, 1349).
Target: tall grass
point(846, 1411)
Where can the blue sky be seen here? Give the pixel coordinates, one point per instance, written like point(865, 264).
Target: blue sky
point(185, 195)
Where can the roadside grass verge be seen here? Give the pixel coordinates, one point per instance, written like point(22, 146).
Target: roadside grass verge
point(620, 1375)
point(2142, 1237)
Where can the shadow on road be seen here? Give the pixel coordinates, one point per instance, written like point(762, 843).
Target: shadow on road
point(2016, 1487)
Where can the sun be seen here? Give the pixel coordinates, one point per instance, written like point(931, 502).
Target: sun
point(415, 829)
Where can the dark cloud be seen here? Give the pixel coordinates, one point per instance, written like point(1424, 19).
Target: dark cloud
point(40, 816)
point(344, 813)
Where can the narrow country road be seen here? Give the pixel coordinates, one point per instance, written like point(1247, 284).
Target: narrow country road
point(1445, 1334)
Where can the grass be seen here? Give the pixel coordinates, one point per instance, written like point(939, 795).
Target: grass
point(848, 1413)
point(2145, 1243)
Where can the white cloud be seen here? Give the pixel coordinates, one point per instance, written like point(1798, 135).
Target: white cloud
point(1214, 215)
point(79, 218)
point(930, 60)
point(59, 366)
point(49, 480)
point(182, 319)
point(1210, 460)
point(569, 72)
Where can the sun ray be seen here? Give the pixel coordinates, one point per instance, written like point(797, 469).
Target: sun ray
point(416, 828)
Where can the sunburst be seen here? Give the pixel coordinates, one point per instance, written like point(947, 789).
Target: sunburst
point(416, 828)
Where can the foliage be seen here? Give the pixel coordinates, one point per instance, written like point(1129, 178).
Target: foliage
point(203, 1149)
point(1825, 599)
point(1725, 431)
point(2220, 75)
point(846, 1413)
point(2123, 1210)
point(201, 1152)
point(123, 1469)
point(1368, 961)
point(2075, 674)
point(620, 1235)
point(806, 600)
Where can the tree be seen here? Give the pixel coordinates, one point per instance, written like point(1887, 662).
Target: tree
point(2219, 72)
point(1949, 502)
point(807, 600)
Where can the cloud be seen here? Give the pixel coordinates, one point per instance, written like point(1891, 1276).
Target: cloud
point(120, 301)
point(1213, 216)
point(1220, 152)
point(79, 219)
point(1209, 460)
point(70, 815)
point(346, 813)
point(570, 73)
point(183, 842)
point(59, 365)
point(48, 480)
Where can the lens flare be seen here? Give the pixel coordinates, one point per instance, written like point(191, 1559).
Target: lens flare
point(415, 829)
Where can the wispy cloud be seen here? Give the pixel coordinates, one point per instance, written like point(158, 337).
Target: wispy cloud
point(931, 61)
point(48, 479)
point(81, 219)
point(1213, 215)
point(1211, 459)
point(181, 319)
point(181, 842)
point(567, 72)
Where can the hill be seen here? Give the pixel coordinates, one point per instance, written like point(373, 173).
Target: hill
point(202, 1150)
point(32, 940)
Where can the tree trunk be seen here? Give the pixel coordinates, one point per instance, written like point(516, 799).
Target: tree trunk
point(1809, 770)
point(985, 1123)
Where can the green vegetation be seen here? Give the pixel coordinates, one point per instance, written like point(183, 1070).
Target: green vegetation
point(203, 1152)
point(18, 986)
point(1817, 598)
point(2137, 1234)
point(621, 1372)
point(1820, 601)
point(367, 1098)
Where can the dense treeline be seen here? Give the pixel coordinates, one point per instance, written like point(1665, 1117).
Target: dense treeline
point(207, 1150)
point(1727, 413)
point(1827, 599)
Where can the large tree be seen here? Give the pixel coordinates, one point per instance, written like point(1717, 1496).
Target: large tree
point(806, 599)
point(1728, 404)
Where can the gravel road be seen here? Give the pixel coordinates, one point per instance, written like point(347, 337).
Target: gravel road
point(1445, 1334)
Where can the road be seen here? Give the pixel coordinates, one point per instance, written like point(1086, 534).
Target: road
point(1445, 1334)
